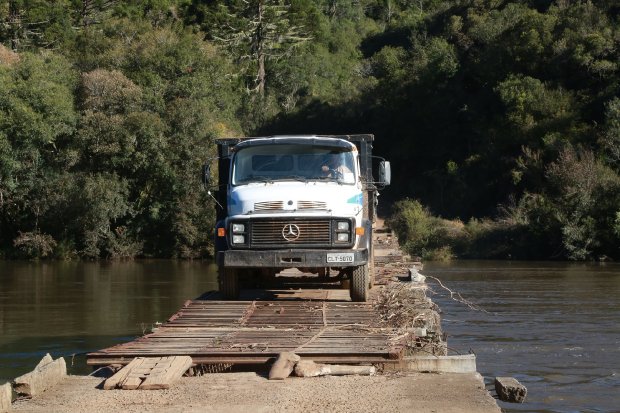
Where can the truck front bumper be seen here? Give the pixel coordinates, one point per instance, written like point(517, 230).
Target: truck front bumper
point(288, 258)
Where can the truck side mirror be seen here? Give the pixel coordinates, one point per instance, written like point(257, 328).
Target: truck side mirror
point(385, 173)
point(206, 175)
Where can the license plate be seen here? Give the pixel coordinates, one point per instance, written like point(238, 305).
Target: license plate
point(340, 257)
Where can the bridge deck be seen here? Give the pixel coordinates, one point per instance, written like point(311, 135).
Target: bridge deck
point(319, 324)
point(254, 332)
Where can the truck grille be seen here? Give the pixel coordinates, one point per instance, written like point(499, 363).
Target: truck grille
point(283, 232)
point(268, 206)
point(311, 205)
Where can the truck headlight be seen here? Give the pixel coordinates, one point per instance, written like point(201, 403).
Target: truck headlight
point(343, 237)
point(238, 239)
point(238, 228)
point(342, 226)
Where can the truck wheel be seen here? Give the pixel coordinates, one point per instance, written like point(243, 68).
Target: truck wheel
point(359, 283)
point(229, 283)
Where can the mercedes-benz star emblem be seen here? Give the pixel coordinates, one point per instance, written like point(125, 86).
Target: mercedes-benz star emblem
point(290, 232)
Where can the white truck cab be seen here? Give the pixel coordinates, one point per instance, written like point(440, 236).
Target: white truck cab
point(303, 202)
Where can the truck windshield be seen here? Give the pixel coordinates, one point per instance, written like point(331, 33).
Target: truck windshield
point(269, 163)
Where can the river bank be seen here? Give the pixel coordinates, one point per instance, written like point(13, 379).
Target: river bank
point(252, 392)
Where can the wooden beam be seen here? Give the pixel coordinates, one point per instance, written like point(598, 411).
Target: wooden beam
point(121, 375)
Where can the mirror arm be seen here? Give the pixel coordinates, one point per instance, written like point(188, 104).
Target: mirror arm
point(214, 199)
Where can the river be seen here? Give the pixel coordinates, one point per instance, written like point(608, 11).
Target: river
point(68, 308)
point(553, 326)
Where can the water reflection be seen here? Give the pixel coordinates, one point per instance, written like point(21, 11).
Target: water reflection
point(67, 308)
point(552, 326)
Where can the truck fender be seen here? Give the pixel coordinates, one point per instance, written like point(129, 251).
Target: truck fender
point(365, 241)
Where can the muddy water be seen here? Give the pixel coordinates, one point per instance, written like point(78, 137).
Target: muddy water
point(68, 308)
point(554, 327)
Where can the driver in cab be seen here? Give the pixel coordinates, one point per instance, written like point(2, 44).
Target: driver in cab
point(334, 167)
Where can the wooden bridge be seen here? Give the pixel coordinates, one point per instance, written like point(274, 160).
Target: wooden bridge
point(254, 332)
point(322, 325)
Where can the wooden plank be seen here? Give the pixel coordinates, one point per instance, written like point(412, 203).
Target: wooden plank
point(121, 375)
point(137, 373)
point(149, 373)
point(167, 371)
point(131, 383)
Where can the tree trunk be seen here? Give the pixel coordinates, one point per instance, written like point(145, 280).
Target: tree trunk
point(15, 26)
point(86, 4)
point(260, 50)
point(261, 75)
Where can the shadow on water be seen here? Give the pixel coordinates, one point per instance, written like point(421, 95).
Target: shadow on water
point(553, 326)
point(67, 308)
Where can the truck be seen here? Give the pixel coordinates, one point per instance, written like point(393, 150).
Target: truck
point(295, 201)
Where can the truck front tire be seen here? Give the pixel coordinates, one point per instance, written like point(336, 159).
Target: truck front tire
point(229, 283)
point(359, 283)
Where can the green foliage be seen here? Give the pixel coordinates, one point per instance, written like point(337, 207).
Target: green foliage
point(34, 244)
point(256, 32)
point(530, 104)
point(108, 109)
point(106, 161)
point(422, 234)
point(587, 194)
point(611, 134)
point(617, 224)
point(29, 24)
point(36, 116)
point(412, 223)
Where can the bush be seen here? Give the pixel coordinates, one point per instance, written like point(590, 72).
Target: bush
point(34, 244)
point(65, 250)
point(121, 246)
point(488, 238)
point(422, 234)
point(443, 254)
point(436, 239)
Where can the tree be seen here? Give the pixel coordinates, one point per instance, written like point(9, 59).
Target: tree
point(586, 195)
point(611, 133)
point(28, 24)
point(257, 31)
point(89, 12)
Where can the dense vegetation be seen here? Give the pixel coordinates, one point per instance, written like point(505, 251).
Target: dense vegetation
point(504, 115)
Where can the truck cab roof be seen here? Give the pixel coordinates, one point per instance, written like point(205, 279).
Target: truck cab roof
point(228, 145)
point(313, 140)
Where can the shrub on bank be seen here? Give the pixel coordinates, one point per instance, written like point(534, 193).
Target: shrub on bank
point(436, 239)
point(422, 234)
point(34, 244)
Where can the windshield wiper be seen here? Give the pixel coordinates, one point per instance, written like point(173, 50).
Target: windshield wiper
point(328, 178)
point(258, 178)
point(293, 177)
